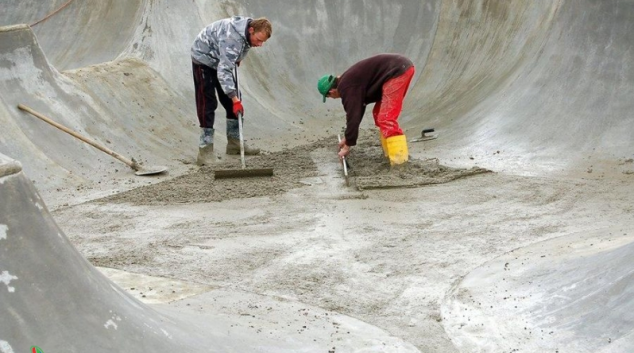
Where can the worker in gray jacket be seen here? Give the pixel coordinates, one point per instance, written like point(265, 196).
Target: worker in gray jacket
point(217, 51)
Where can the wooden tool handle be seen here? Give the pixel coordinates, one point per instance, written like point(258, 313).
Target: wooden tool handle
point(114, 154)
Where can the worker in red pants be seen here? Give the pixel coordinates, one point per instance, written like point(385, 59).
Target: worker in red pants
point(382, 79)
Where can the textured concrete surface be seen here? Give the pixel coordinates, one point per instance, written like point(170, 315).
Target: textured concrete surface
point(53, 298)
point(570, 294)
point(525, 88)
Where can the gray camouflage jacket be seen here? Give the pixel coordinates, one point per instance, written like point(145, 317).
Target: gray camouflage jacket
point(219, 46)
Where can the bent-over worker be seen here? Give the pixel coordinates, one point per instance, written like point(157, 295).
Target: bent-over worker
point(383, 80)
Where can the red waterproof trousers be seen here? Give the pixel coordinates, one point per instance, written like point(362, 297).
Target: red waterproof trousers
point(386, 111)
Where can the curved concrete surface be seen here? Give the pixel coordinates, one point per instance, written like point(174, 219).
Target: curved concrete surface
point(569, 294)
point(522, 87)
point(80, 33)
point(514, 86)
point(53, 298)
point(46, 284)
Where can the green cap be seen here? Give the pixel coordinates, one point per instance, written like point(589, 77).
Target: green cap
point(325, 84)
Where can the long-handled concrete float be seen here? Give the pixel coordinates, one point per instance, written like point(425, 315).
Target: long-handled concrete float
point(244, 172)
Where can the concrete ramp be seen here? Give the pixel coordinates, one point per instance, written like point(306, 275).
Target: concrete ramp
point(75, 34)
point(570, 294)
point(542, 86)
point(533, 88)
point(106, 103)
point(52, 297)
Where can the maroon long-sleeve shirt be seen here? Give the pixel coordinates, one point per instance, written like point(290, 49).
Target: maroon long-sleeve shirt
point(363, 83)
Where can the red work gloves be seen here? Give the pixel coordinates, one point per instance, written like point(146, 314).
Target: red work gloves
point(238, 108)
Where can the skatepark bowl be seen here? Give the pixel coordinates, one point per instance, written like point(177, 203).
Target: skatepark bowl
point(512, 231)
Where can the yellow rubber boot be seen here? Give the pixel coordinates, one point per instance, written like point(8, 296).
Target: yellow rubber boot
point(383, 144)
point(397, 149)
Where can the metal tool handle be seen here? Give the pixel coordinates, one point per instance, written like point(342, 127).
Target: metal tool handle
point(244, 166)
point(241, 141)
point(343, 160)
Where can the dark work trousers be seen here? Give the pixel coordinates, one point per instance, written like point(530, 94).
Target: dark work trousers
point(206, 85)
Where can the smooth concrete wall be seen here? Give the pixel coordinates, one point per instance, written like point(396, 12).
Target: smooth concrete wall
point(82, 33)
point(537, 88)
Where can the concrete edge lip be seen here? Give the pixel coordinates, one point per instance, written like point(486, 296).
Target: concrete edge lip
point(9, 166)
point(13, 28)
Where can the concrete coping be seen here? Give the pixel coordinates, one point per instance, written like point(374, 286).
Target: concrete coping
point(14, 28)
point(9, 166)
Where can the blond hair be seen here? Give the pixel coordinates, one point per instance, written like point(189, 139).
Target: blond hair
point(262, 24)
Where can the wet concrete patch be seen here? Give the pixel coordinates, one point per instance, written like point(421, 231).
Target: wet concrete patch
point(370, 169)
point(291, 168)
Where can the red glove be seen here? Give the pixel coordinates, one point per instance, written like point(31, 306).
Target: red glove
point(237, 108)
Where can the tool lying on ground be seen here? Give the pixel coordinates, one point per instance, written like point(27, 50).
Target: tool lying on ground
point(138, 169)
point(244, 172)
point(425, 135)
point(345, 165)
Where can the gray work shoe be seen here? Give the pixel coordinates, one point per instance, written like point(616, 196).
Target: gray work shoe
point(233, 147)
point(206, 155)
